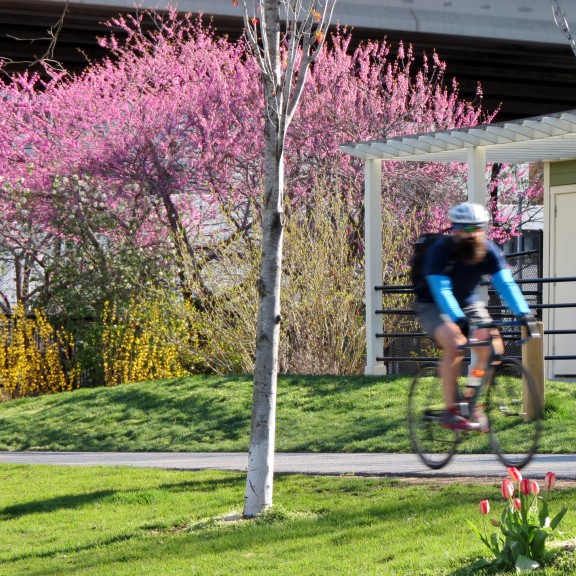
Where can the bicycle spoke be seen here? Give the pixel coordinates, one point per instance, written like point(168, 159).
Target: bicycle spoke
point(515, 414)
point(433, 444)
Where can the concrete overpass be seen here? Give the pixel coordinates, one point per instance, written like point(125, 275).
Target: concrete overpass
point(512, 47)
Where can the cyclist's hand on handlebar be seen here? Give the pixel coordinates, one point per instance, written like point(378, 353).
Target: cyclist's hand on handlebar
point(464, 325)
point(531, 324)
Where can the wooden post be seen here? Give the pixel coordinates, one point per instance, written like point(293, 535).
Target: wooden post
point(533, 359)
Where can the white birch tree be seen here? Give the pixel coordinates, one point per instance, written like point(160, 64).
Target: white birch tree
point(285, 36)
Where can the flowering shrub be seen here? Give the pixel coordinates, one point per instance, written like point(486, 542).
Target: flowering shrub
point(144, 342)
point(525, 524)
point(35, 357)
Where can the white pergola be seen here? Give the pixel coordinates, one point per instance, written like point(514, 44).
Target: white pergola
point(543, 138)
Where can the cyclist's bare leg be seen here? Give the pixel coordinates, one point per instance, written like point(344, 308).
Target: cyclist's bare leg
point(482, 353)
point(449, 337)
point(481, 358)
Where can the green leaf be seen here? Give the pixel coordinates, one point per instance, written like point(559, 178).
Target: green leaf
point(478, 565)
point(524, 564)
point(543, 513)
point(480, 535)
point(495, 547)
point(557, 519)
point(474, 529)
point(516, 536)
point(538, 543)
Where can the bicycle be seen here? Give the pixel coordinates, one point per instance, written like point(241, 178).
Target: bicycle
point(508, 395)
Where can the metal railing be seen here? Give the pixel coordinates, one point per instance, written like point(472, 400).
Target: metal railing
point(406, 345)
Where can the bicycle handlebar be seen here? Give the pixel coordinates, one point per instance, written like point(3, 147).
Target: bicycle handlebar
point(531, 327)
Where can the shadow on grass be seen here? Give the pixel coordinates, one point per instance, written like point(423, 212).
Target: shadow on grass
point(48, 505)
point(363, 436)
point(72, 501)
point(131, 418)
point(70, 550)
point(206, 485)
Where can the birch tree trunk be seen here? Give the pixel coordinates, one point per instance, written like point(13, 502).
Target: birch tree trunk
point(259, 481)
point(305, 25)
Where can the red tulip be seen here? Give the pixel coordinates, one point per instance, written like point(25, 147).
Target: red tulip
point(484, 507)
point(550, 480)
point(534, 487)
point(514, 474)
point(507, 489)
point(517, 504)
point(525, 486)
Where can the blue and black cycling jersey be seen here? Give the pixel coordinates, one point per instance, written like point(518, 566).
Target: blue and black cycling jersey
point(453, 284)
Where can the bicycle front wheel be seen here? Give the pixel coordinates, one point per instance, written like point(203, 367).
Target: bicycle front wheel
point(434, 445)
point(515, 413)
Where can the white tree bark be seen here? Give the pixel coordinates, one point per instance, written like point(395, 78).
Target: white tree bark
point(305, 26)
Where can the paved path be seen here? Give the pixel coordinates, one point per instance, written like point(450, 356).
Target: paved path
point(462, 465)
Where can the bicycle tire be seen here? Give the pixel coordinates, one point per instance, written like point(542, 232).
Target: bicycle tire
point(434, 445)
point(514, 434)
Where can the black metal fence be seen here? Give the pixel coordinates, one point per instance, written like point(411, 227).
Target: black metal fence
point(406, 346)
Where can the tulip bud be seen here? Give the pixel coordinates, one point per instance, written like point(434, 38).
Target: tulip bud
point(525, 486)
point(507, 489)
point(484, 507)
point(517, 504)
point(514, 474)
point(534, 487)
point(550, 480)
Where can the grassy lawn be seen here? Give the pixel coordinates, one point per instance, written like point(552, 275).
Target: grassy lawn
point(123, 521)
point(114, 521)
point(211, 413)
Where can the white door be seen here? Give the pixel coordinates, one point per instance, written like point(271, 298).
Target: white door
point(564, 264)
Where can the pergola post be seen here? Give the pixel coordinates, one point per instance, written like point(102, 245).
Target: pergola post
point(373, 264)
point(477, 175)
point(477, 194)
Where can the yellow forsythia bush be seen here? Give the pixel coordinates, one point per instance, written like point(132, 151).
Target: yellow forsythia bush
point(144, 342)
point(35, 358)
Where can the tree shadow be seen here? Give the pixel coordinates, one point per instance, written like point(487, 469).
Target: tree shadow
point(69, 501)
point(195, 415)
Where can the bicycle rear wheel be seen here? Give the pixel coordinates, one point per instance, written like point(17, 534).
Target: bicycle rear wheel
point(434, 445)
point(515, 412)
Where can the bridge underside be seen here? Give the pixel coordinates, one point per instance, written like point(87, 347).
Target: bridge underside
point(528, 79)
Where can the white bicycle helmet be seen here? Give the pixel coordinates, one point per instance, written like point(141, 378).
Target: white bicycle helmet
point(468, 213)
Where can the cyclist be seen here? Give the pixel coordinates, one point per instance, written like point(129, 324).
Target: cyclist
point(448, 303)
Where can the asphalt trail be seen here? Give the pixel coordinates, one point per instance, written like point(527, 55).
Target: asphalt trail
point(481, 467)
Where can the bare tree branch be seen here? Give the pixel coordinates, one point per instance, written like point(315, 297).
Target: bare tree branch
point(562, 23)
point(47, 59)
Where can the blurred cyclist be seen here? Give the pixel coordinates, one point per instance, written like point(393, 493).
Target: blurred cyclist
point(448, 303)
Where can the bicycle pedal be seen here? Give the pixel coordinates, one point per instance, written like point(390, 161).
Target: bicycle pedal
point(432, 415)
